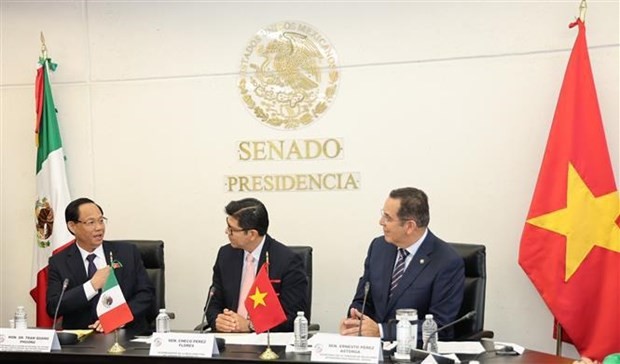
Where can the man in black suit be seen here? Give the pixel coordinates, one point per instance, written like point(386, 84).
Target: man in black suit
point(407, 267)
point(238, 262)
point(86, 222)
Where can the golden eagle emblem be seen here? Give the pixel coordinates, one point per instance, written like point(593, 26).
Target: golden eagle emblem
point(289, 75)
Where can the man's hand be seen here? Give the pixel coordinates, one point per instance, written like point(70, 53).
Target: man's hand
point(100, 276)
point(96, 326)
point(230, 321)
point(350, 326)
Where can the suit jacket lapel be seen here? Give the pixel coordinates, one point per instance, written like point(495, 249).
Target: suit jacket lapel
point(75, 264)
point(106, 252)
point(386, 270)
point(418, 263)
point(263, 253)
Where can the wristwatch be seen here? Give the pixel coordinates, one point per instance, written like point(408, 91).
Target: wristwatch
point(251, 326)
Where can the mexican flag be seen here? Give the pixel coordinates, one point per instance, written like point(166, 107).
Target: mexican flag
point(112, 309)
point(52, 190)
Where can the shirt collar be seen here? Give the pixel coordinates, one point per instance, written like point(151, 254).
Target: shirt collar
point(413, 248)
point(256, 252)
point(98, 252)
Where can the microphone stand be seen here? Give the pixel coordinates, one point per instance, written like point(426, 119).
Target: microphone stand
point(467, 316)
point(366, 289)
point(64, 338)
point(203, 324)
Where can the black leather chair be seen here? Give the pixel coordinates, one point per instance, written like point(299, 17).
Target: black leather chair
point(474, 256)
point(306, 256)
point(152, 252)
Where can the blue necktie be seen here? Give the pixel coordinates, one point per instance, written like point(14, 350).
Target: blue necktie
point(399, 269)
point(92, 268)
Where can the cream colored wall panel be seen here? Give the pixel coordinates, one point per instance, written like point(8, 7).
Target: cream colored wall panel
point(66, 37)
point(17, 193)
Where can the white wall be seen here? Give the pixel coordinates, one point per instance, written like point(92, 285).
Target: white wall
point(455, 98)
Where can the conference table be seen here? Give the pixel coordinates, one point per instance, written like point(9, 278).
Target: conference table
point(93, 349)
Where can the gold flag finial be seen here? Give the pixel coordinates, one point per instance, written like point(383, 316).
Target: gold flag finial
point(43, 47)
point(583, 7)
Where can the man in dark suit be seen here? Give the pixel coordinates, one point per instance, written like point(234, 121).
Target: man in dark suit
point(91, 256)
point(238, 262)
point(407, 267)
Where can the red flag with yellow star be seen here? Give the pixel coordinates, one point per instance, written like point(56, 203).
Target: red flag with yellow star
point(262, 303)
point(570, 247)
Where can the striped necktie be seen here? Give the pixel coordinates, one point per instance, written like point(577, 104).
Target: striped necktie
point(399, 269)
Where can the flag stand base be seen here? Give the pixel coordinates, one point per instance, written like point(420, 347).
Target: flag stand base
point(269, 354)
point(116, 348)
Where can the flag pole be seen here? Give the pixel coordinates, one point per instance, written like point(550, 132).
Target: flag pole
point(116, 348)
point(43, 47)
point(558, 338)
point(583, 8)
point(268, 354)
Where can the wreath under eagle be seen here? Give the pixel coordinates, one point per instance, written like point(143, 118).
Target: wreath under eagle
point(44, 222)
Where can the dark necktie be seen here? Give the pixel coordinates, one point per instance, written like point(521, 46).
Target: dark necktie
point(399, 269)
point(92, 268)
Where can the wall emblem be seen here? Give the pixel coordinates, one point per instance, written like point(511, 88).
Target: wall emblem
point(289, 75)
point(44, 222)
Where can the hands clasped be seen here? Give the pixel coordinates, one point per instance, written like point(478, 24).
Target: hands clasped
point(350, 326)
point(230, 321)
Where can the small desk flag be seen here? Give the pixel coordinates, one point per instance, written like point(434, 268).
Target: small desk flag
point(262, 303)
point(112, 309)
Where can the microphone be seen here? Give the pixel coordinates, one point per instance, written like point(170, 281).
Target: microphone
point(366, 290)
point(65, 338)
point(65, 284)
point(204, 324)
point(467, 316)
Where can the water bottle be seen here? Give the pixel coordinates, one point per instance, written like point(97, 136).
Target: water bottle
point(403, 335)
point(162, 322)
point(301, 333)
point(20, 318)
point(428, 327)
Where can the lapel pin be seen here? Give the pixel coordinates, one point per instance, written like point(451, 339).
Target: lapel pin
point(421, 261)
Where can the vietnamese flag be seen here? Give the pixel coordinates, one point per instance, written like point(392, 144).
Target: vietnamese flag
point(263, 304)
point(570, 247)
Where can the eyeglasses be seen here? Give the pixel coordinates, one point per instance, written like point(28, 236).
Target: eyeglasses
point(387, 218)
point(92, 222)
point(230, 230)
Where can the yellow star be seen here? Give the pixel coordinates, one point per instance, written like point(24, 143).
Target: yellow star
point(259, 298)
point(586, 221)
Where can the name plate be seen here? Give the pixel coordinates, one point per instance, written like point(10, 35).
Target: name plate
point(33, 340)
point(346, 349)
point(183, 344)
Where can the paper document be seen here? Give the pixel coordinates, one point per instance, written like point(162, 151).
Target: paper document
point(460, 347)
point(276, 338)
point(80, 333)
